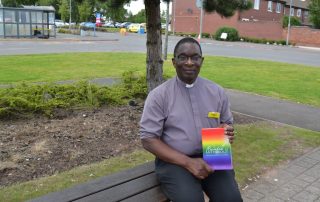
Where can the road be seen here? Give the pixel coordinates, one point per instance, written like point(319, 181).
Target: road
point(113, 42)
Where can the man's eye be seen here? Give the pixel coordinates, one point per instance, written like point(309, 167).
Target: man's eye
point(195, 58)
point(182, 57)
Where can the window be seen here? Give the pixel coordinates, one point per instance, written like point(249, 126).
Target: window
point(292, 12)
point(24, 17)
point(299, 12)
point(9, 16)
point(278, 9)
point(270, 6)
point(306, 14)
point(256, 4)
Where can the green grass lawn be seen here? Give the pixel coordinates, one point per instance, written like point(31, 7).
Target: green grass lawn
point(298, 83)
point(258, 147)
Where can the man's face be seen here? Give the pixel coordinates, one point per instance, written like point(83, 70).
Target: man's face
point(188, 61)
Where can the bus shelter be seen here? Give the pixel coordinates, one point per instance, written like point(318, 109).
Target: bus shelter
point(29, 21)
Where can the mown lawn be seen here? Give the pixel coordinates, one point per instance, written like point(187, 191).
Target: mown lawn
point(298, 83)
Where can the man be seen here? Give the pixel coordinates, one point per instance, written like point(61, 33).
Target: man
point(171, 123)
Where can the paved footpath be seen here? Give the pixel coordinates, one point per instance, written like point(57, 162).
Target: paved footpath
point(297, 181)
point(303, 116)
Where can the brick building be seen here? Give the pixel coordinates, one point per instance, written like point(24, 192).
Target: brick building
point(262, 21)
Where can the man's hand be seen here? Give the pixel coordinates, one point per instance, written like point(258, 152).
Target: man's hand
point(198, 167)
point(228, 131)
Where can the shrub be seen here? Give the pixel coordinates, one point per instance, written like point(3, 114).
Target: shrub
point(232, 34)
point(26, 99)
point(294, 21)
point(206, 35)
point(263, 41)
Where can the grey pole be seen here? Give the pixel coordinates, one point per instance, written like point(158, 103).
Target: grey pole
point(289, 24)
point(70, 16)
point(166, 36)
point(201, 19)
point(174, 16)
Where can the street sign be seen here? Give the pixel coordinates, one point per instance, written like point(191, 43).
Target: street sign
point(199, 3)
point(98, 17)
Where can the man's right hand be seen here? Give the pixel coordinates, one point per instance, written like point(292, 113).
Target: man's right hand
point(198, 167)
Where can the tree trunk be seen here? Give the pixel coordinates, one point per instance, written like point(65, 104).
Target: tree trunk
point(154, 44)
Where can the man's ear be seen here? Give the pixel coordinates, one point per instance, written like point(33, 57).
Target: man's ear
point(202, 59)
point(173, 62)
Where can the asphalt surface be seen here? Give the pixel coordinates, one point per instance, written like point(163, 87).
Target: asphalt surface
point(114, 42)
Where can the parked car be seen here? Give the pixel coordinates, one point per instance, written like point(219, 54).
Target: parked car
point(135, 27)
point(60, 23)
point(108, 24)
point(117, 24)
point(124, 25)
point(88, 24)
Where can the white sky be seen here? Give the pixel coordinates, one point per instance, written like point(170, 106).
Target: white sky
point(136, 6)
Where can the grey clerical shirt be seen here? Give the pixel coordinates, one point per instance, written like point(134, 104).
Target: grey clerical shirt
point(176, 112)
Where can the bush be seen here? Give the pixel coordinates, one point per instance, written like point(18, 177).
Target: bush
point(294, 21)
point(232, 34)
point(206, 35)
point(263, 41)
point(67, 31)
point(26, 99)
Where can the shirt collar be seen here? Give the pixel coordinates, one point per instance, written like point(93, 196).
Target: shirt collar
point(185, 84)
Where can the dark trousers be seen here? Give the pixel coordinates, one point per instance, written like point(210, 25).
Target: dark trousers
point(179, 185)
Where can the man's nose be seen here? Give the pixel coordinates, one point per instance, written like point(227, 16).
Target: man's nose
point(189, 61)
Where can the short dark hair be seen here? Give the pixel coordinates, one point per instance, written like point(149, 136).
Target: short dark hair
point(186, 40)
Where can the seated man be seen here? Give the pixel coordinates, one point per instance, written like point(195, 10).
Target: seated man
point(170, 128)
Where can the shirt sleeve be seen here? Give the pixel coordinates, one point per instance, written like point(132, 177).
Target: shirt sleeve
point(225, 115)
point(152, 120)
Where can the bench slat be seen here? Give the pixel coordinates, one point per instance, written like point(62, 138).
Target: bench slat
point(124, 191)
point(97, 185)
point(155, 194)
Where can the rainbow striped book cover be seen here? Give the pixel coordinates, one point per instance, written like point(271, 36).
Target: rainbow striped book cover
point(216, 149)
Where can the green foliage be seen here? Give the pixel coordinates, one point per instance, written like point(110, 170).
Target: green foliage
point(314, 13)
point(117, 14)
point(17, 3)
point(263, 41)
point(140, 17)
point(206, 35)
point(64, 10)
point(232, 34)
point(68, 31)
point(226, 8)
point(44, 99)
point(294, 21)
point(85, 11)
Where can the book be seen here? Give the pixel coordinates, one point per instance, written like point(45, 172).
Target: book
point(216, 149)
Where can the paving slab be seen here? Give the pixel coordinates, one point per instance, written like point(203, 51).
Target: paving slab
point(302, 185)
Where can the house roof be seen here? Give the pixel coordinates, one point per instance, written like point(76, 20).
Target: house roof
point(45, 8)
point(298, 3)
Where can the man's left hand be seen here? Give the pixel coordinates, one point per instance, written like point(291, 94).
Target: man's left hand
point(228, 131)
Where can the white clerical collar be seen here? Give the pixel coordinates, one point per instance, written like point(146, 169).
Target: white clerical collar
point(185, 84)
point(189, 85)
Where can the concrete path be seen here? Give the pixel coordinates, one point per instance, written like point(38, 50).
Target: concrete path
point(295, 114)
point(299, 180)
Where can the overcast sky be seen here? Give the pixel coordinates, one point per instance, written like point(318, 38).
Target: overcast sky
point(136, 6)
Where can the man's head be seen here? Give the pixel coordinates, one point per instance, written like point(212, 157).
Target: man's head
point(187, 59)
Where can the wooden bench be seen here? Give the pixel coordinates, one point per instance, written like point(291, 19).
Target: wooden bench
point(138, 184)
